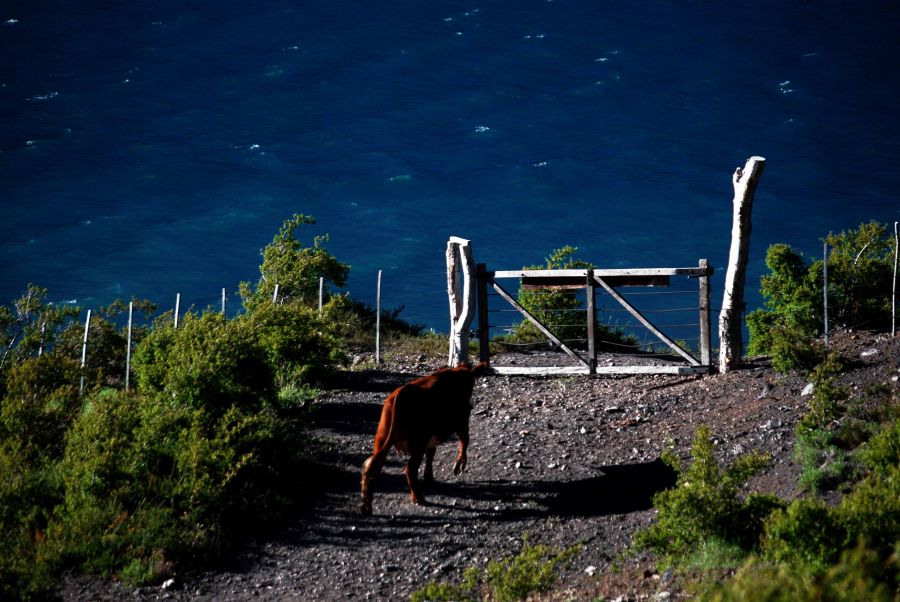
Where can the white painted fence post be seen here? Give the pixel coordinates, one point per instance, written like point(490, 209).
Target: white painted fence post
point(378, 321)
point(87, 326)
point(177, 307)
point(128, 351)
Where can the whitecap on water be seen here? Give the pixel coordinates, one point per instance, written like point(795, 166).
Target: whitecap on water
point(401, 178)
point(47, 96)
point(11, 21)
point(481, 129)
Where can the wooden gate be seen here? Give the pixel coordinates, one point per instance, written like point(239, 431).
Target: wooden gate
point(591, 279)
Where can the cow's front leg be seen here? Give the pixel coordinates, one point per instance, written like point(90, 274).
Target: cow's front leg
point(412, 474)
point(461, 457)
point(428, 477)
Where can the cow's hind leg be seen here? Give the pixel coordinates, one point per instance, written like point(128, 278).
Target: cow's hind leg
point(412, 474)
point(370, 470)
point(428, 477)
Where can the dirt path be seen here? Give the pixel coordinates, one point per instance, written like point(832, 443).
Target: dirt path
point(565, 460)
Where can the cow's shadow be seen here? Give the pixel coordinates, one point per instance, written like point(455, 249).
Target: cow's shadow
point(618, 489)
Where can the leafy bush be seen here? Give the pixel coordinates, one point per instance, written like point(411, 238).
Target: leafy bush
point(859, 575)
point(532, 570)
point(149, 481)
point(207, 362)
point(466, 591)
point(859, 286)
point(704, 508)
point(811, 534)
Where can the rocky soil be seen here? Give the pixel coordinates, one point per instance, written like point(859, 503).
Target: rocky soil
point(565, 460)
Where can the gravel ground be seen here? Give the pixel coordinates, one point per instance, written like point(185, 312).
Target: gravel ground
point(565, 460)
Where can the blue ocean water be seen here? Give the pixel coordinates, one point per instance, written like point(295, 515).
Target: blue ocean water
point(150, 149)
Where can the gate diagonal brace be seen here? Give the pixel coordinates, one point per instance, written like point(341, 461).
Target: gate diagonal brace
point(647, 324)
point(509, 299)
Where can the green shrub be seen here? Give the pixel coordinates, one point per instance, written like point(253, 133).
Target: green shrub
point(207, 362)
point(41, 402)
point(467, 591)
point(532, 570)
point(301, 347)
point(704, 508)
point(150, 482)
point(859, 575)
point(859, 286)
point(882, 452)
point(806, 533)
point(824, 464)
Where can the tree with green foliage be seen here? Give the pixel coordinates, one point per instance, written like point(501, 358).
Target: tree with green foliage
point(561, 311)
point(294, 268)
point(859, 287)
point(30, 327)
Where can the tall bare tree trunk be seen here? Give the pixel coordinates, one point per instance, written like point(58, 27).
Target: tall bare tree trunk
point(730, 319)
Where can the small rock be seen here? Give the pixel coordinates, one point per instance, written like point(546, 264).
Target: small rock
point(869, 353)
point(168, 584)
point(590, 570)
point(807, 390)
point(663, 596)
point(773, 423)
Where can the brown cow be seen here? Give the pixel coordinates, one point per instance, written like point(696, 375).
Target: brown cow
point(418, 416)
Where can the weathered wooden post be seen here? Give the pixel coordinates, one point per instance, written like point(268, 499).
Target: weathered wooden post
point(461, 296)
point(894, 290)
point(591, 321)
point(484, 326)
point(705, 346)
point(730, 319)
point(825, 288)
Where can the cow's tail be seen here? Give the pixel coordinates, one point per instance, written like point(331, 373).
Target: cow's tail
point(371, 468)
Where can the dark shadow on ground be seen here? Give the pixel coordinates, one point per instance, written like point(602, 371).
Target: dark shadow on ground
point(356, 418)
point(376, 381)
point(619, 489)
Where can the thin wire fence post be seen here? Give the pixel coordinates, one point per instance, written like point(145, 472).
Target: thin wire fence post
point(87, 326)
point(321, 292)
point(825, 287)
point(378, 321)
point(128, 350)
point(223, 301)
point(177, 307)
point(275, 295)
point(894, 290)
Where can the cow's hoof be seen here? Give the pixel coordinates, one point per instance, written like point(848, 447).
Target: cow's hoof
point(365, 509)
